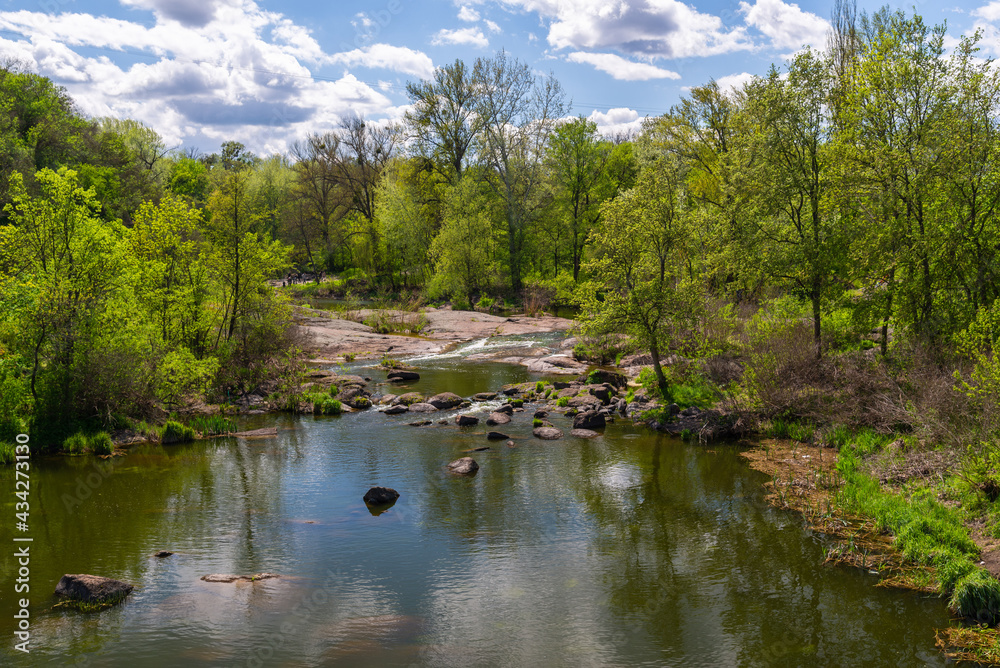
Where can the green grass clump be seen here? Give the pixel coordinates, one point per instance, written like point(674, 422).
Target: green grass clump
point(539, 387)
point(7, 453)
point(175, 432)
point(789, 430)
point(537, 422)
point(324, 404)
point(925, 532)
point(212, 425)
point(562, 402)
point(75, 444)
point(101, 443)
point(516, 403)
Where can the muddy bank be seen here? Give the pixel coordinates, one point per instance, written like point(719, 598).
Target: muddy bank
point(329, 337)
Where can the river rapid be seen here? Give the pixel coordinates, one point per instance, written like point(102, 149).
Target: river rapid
point(630, 549)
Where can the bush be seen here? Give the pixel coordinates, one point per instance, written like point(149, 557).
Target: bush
point(562, 402)
point(324, 404)
point(101, 444)
point(212, 425)
point(539, 387)
point(537, 422)
point(175, 432)
point(8, 453)
point(75, 444)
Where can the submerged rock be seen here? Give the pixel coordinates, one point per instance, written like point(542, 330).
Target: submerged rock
point(92, 588)
point(466, 420)
point(464, 466)
point(399, 375)
point(377, 496)
point(229, 577)
point(547, 433)
point(162, 554)
point(496, 436)
point(584, 433)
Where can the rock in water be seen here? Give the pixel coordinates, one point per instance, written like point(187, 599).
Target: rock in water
point(547, 433)
point(584, 433)
point(466, 420)
point(497, 418)
point(397, 376)
point(496, 436)
point(422, 408)
point(163, 553)
point(379, 496)
point(396, 410)
point(464, 466)
point(445, 401)
point(589, 420)
point(92, 588)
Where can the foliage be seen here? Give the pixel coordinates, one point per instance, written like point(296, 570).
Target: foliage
point(175, 432)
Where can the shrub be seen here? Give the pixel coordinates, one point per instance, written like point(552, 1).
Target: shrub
point(7, 453)
point(324, 404)
point(539, 387)
point(349, 357)
point(75, 444)
point(212, 425)
point(175, 432)
point(562, 402)
point(101, 444)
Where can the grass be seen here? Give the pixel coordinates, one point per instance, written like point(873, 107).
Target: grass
point(516, 403)
point(101, 443)
point(91, 606)
point(925, 532)
point(75, 444)
point(790, 430)
point(175, 432)
point(212, 425)
point(387, 363)
point(539, 387)
point(324, 404)
point(537, 422)
point(562, 402)
point(7, 453)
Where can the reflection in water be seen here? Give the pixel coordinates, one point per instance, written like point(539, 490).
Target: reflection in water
point(631, 549)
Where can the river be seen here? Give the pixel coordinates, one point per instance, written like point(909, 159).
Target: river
point(631, 549)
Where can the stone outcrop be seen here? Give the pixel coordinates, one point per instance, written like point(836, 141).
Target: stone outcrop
point(445, 401)
point(92, 589)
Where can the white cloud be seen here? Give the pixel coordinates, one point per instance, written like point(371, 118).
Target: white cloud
point(733, 82)
point(397, 58)
point(493, 27)
point(617, 121)
point(990, 12)
point(649, 28)
point(786, 25)
point(620, 68)
point(232, 71)
point(468, 14)
point(469, 36)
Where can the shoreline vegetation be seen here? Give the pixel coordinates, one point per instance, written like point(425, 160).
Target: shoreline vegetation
point(812, 260)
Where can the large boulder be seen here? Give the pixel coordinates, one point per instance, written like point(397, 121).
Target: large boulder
point(497, 418)
point(380, 496)
point(464, 466)
point(445, 400)
point(396, 410)
point(506, 408)
point(547, 433)
point(422, 408)
point(589, 420)
point(602, 392)
point(93, 588)
point(466, 420)
point(400, 376)
point(409, 398)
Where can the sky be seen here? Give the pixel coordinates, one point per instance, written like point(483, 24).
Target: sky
point(268, 73)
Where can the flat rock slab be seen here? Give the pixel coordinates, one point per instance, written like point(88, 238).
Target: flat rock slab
point(257, 433)
point(547, 433)
point(377, 496)
point(496, 436)
point(228, 577)
point(584, 433)
point(92, 588)
point(464, 466)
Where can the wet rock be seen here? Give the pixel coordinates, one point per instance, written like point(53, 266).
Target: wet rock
point(484, 396)
point(378, 496)
point(601, 392)
point(496, 436)
point(400, 376)
point(464, 466)
point(506, 408)
point(547, 433)
point(422, 408)
point(613, 378)
point(541, 414)
point(510, 390)
point(482, 449)
point(229, 577)
point(584, 433)
point(386, 399)
point(396, 410)
point(445, 400)
point(92, 588)
point(442, 422)
point(420, 423)
point(510, 444)
point(589, 420)
point(466, 420)
point(409, 398)
point(497, 418)
point(162, 554)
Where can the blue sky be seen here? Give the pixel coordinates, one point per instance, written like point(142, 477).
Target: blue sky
point(267, 73)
